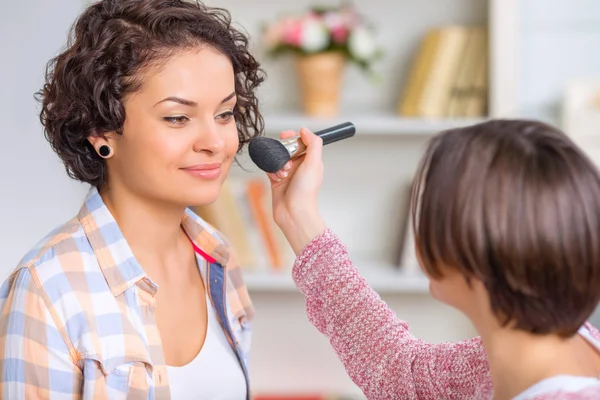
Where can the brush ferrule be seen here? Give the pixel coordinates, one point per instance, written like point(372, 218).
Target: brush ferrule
point(294, 146)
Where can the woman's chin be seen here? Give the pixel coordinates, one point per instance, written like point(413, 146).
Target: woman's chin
point(203, 197)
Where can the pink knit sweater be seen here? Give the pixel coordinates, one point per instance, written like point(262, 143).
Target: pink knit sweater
point(380, 354)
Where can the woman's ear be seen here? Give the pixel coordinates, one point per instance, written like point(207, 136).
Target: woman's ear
point(104, 145)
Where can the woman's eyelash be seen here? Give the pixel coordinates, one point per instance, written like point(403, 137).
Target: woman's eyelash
point(182, 119)
point(226, 115)
point(177, 120)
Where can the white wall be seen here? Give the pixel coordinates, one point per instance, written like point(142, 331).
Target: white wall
point(35, 193)
point(559, 40)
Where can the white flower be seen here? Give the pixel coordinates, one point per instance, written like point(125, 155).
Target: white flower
point(362, 43)
point(314, 36)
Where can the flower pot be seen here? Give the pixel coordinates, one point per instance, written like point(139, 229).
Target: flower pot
point(320, 81)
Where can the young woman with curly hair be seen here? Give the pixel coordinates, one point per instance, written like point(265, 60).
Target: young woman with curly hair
point(136, 296)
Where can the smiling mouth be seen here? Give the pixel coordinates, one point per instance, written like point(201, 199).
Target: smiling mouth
point(207, 171)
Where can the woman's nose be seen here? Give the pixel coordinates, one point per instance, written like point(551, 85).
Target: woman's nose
point(209, 139)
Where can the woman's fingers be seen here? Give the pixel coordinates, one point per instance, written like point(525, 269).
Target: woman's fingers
point(314, 145)
point(288, 134)
point(274, 177)
point(282, 173)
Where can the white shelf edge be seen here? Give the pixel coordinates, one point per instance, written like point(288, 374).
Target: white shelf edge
point(382, 279)
point(366, 124)
point(503, 57)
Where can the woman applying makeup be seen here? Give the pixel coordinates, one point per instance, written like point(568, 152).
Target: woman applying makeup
point(507, 229)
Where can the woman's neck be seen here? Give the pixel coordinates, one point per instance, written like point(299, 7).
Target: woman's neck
point(518, 360)
point(152, 229)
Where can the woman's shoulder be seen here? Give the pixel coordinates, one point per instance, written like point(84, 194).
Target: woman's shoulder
point(56, 269)
point(58, 244)
point(59, 265)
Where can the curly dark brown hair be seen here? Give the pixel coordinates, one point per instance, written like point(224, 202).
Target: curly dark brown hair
point(109, 45)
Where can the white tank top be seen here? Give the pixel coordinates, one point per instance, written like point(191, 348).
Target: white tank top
point(214, 374)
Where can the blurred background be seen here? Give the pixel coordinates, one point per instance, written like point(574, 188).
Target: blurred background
point(401, 71)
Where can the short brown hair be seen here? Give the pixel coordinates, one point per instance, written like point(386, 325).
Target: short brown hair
point(516, 204)
point(110, 43)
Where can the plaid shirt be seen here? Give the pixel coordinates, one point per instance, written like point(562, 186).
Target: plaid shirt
point(77, 314)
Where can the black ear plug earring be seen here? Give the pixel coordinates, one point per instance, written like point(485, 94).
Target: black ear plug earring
point(105, 151)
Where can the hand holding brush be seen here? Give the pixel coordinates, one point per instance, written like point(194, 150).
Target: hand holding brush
point(295, 191)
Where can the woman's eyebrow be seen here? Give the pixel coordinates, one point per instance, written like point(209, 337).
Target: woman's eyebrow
point(228, 97)
point(179, 100)
point(191, 103)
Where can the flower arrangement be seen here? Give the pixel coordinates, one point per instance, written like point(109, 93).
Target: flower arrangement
point(324, 29)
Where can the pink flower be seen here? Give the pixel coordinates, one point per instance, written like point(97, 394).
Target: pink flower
point(339, 34)
point(292, 31)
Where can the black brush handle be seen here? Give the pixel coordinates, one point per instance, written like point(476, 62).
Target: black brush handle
point(336, 132)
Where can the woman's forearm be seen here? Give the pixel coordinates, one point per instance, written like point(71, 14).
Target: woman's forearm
point(300, 230)
point(379, 353)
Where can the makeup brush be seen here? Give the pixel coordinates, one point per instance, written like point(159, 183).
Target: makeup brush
point(271, 155)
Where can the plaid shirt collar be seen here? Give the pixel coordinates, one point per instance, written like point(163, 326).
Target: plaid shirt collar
point(117, 262)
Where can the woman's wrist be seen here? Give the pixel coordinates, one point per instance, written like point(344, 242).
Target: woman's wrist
point(301, 228)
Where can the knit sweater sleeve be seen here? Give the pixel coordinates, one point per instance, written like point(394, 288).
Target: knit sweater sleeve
point(379, 353)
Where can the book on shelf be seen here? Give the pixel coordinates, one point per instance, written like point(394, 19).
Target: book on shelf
point(449, 75)
point(243, 214)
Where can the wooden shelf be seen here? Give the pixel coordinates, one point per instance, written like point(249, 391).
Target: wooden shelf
point(366, 124)
point(382, 278)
